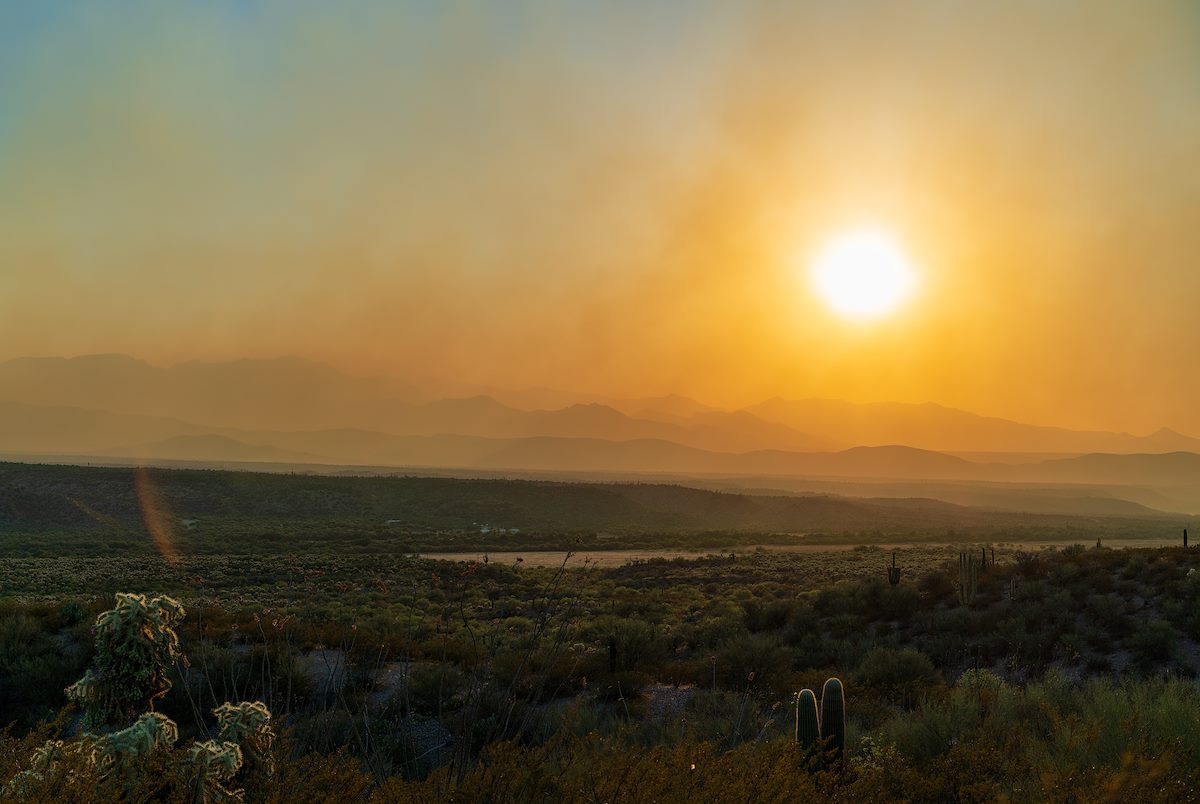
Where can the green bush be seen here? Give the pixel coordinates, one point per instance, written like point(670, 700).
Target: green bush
point(901, 677)
point(1153, 642)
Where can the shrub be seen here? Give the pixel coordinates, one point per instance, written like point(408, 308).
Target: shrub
point(1154, 642)
point(72, 612)
point(900, 676)
point(757, 660)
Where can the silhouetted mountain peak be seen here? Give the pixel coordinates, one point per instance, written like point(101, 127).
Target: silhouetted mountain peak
point(891, 449)
point(479, 402)
point(594, 410)
point(109, 361)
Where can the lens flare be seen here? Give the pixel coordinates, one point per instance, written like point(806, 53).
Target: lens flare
point(157, 515)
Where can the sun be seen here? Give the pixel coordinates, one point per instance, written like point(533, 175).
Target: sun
point(863, 274)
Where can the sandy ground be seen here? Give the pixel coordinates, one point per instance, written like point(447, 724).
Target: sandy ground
point(615, 558)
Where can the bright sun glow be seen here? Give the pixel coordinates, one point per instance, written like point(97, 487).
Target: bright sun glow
point(863, 274)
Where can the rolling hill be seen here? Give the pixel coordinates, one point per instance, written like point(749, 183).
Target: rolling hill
point(48, 499)
point(214, 448)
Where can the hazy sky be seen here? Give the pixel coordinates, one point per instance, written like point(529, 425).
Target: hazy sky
point(617, 197)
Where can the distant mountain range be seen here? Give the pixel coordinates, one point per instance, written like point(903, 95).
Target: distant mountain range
point(294, 394)
point(291, 411)
point(288, 393)
point(935, 427)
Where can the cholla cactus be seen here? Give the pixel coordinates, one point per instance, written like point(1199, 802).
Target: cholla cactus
point(237, 721)
point(136, 645)
point(41, 762)
point(214, 764)
point(152, 730)
point(45, 757)
point(248, 725)
point(244, 742)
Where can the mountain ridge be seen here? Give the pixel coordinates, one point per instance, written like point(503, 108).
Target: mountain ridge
point(295, 394)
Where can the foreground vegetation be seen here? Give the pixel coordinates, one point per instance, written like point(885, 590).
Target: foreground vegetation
point(981, 741)
point(1066, 676)
point(970, 672)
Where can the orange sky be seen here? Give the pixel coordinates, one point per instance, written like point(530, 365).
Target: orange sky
point(601, 198)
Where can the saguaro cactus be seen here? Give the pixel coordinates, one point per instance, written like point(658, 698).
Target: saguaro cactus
point(828, 729)
point(808, 725)
point(893, 572)
point(968, 578)
point(833, 718)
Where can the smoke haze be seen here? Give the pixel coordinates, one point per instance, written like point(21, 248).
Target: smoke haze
point(614, 200)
